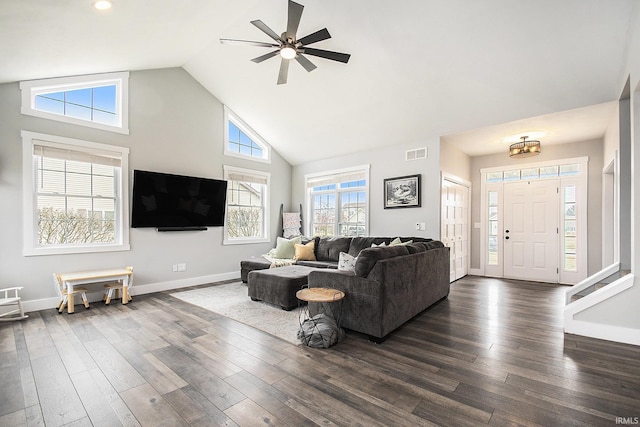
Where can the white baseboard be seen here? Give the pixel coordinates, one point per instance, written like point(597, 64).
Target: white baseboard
point(604, 332)
point(184, 283)
point(475, 272)
point(50, 303)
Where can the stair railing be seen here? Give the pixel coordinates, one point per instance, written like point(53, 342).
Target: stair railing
point(591, 280)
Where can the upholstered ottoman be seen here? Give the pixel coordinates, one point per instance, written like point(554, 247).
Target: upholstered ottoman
point(248, 265)
point(278, 285)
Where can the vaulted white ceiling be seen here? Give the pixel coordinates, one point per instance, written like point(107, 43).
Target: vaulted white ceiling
point(419, 70)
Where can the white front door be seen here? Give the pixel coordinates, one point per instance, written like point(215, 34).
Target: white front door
point(455, 226)
point(530, 237)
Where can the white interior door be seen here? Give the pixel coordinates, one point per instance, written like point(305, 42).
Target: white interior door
point(455, 226)
point(531, 230)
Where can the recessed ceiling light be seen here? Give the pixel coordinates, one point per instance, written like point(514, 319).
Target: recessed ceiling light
point(102, 4)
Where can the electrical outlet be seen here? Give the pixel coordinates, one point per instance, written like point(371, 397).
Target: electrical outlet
point(174, 268)
point(423, 226)
point(182, 267)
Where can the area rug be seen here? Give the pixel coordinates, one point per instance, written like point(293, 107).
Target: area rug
point(231, 300)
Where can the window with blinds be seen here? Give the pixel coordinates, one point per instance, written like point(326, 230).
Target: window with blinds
point(77, 193)
point(338, 202)
point(247, 205)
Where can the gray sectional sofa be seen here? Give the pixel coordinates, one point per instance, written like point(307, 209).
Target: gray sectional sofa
point(388, 286)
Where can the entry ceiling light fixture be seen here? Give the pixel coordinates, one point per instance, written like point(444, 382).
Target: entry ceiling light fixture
point(525, 148)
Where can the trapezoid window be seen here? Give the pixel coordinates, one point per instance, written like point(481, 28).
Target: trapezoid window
point(98, 101)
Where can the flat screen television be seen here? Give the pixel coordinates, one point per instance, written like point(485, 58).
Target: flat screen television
point(177, 202)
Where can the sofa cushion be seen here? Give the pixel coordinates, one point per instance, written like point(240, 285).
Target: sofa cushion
point(329, 248)
point(433, 244)
point(305, 252)
point(370, 256)
point(359, 243)
point(285, 248)
point(414, 248)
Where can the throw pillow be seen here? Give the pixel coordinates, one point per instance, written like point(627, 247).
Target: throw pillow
point(285, 248)
point(305, 252)
point(347, 262)
point(398, 242)
point(373, 245)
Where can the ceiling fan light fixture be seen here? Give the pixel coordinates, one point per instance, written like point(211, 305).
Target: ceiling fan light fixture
point(102, 4)
point(288, 52)
point(525, 148)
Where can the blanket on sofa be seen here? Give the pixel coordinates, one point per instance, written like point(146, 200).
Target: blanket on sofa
point(278, 262)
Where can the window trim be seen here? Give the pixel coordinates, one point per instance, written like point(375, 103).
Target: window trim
point(227, 170)
point(30, 246)
point(31, 88)
point(365, 169)
point(244, 127)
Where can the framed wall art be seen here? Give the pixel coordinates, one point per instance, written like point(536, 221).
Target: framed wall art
point(402, 192)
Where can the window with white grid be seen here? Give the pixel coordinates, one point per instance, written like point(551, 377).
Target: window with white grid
point(77, 195)
point(99, 101)
point(242, 141)
point(247, 205)
point(338, 202)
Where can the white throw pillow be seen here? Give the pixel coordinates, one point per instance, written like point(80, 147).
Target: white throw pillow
point(381, 245)
point(398, 242)
point(347, 262)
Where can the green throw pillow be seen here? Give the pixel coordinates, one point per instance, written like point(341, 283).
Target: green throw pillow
point(285, 248)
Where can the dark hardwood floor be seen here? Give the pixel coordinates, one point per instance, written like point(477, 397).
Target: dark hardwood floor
point(493, 353)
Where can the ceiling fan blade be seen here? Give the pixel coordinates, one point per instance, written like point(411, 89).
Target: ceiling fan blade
point(295, 13)
point(284, 71)
point(248, 43)
point(327, 54)
point(318, 36)
point(266, 56)
point(268, 31)
point(308, 65)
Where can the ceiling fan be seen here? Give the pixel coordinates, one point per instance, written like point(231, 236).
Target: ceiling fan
point(289, 47)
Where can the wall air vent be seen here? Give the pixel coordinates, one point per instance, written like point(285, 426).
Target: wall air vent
point(416, 154)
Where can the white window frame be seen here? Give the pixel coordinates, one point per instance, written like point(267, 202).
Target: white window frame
point(30, 234)
point(30, 89)
point(581, 181)
point(363, 169)
point(244, 127)
point(228, 171)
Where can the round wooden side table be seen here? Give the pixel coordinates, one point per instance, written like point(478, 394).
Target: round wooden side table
point(328, 303)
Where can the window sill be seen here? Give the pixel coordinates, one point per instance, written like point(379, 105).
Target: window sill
point(63, 250)
point(244, 241)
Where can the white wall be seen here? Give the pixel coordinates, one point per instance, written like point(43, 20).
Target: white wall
point(593, 149)
point(621, 311)
point(453, 161)
point(176, 126)
point(387, 162)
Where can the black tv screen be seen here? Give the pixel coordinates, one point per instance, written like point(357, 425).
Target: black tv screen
point(177, 202)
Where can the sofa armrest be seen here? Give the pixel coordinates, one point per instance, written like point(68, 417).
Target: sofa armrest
point(362, 306)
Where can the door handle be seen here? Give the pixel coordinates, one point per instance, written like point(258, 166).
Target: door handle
point(506, 231)
point(507, 238)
